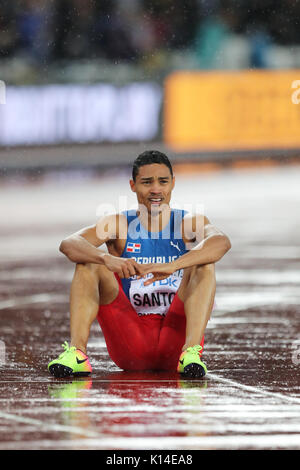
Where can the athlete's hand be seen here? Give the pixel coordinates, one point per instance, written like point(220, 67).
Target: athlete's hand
point(125, 268)
point(159, 270)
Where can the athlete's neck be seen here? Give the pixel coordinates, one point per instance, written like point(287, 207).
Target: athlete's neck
point(156, 219)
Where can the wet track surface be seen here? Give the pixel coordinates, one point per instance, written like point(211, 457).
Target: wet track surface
point(250, 398)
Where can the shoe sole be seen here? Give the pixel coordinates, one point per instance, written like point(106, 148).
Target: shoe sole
point(194, 371)
point(60, 371)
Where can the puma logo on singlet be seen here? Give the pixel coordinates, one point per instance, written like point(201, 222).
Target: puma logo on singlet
point(175, 245)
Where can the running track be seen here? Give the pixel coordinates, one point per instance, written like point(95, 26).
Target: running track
point(249, 400)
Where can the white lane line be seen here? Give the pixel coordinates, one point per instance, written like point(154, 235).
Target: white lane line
point(242, 300)
point(252, 389)
point(44, 427)
point(265, 277)
point(29, 274)
point(33, 299)
point(253, 441)
point(39, 273)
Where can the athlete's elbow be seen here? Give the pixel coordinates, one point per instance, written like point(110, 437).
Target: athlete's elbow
point(224, 245)
point(65, 248)
point(227, 244)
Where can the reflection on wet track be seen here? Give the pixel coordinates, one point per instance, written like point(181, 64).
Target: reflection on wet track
point(250, 398)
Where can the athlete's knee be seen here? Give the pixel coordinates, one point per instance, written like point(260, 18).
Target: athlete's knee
point(207, 269)
point(87, 270)
point(200, 272)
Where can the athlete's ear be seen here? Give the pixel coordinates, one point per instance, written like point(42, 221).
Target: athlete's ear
point(132, 185)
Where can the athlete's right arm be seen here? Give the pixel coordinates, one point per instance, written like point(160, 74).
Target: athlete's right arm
point(82, 246)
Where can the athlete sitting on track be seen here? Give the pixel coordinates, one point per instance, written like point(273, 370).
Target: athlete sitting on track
point(153, 291)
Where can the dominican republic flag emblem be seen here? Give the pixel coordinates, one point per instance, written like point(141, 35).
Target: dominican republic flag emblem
point(133, 247)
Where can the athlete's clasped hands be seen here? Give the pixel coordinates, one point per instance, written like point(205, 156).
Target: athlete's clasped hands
point(123, 267)
point(126, 268)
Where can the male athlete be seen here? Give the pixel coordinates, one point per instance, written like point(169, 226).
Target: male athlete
point(153, 290)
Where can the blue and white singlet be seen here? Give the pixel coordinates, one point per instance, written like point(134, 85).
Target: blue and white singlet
point(153, 247)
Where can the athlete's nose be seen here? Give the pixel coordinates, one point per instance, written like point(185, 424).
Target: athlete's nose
point(154, 192)
point(155, 189)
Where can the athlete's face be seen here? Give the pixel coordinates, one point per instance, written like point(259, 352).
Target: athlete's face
point(153, 186)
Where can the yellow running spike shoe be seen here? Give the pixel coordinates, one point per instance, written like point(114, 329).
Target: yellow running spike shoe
point(72, 362)
point(190, 364)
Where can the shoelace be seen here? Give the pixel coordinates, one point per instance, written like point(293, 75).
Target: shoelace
point(194, 349)
point(66, 348)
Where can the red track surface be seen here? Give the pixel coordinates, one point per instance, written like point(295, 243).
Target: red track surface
point(250, 398)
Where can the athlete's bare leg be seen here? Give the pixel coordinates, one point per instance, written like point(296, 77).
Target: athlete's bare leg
point(91, 286)
point(94, 284)
point(197, 291)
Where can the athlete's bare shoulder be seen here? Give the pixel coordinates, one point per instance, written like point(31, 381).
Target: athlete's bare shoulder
point(111, 227)
point(193, 227)
point(197, 227)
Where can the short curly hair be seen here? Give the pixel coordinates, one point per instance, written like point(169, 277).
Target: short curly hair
point(147, 158)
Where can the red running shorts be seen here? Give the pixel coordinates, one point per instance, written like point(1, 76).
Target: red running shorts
point(147, 342)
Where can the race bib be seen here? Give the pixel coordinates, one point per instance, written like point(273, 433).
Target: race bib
point(155, 298)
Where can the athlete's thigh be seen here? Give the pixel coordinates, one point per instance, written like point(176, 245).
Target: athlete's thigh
point(184, 284)
point(192, 276)
point(107, 284)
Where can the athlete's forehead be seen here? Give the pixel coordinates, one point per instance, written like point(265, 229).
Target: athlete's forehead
point(154, 170)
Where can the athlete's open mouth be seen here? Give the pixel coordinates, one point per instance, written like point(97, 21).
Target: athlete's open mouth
point(155, 200)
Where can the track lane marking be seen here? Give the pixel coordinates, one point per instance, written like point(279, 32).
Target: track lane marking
point(48, 426)
point(252, 389)
point(255, 441)
point(33, 299)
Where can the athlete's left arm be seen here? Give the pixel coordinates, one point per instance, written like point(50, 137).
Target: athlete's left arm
point(209, 245)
